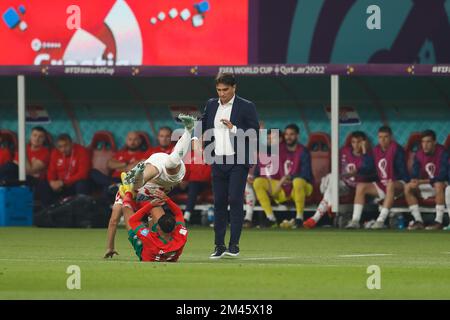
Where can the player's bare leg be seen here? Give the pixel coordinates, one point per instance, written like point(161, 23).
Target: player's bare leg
point(439, 187)
point(393, 188)
point(362, 190)
point(411, 191)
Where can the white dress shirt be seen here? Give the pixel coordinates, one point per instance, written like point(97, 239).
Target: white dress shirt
point(222, 140)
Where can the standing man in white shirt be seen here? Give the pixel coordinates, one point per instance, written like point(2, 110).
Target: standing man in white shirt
point(229, 117)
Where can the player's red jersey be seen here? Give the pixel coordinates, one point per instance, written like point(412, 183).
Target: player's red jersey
point(42, 154)
point(127, 157)
point(154, 246)
point(69, 169)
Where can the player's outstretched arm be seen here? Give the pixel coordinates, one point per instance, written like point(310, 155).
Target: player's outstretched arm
point(111, 233)
point(179, 217)
point(136, 219)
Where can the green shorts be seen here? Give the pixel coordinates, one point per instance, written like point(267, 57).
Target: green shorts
point(136, 243)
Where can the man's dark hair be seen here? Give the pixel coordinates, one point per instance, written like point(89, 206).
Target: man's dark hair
point(428, 133)
point(64, 137)
point(167, 223)
point(385, 129)
point(294, 127)
point(40, 129)
point(226, 79)
point(166, 128)
point(359, 134)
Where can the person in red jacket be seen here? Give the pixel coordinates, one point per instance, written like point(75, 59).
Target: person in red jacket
point(5, 160)
point(37, 159)
point(164, 142)
point(122, 160)
point(68, 171)
point(198, 177)
point(164, 238)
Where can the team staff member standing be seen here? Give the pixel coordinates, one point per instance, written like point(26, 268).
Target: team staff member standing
point(225, 115)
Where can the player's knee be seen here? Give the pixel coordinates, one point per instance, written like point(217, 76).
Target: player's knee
point(259, 183)
point(408, 188)
point(361, 188)
point(114, 221)
point(439, 187)
point(299, 183)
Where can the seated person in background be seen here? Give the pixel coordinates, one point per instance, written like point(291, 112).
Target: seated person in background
point(67, 173)
point(273, 138)
point(165, 144)
point(392, 174)
point(123, 160)
point(356, 166)
point(293, 180)
point(6, 156)
point(37, 159)
point(198, 178)
point(163, 239)
point(428, 178)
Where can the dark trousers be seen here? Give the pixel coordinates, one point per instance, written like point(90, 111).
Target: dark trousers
point(46, 194)
point(104, 182)
point(9, 172)
point(228, 186)
point(194, 189)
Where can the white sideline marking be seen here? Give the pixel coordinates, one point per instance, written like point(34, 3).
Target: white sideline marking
point(365, 255)
point(268, 258)
point(118, 261)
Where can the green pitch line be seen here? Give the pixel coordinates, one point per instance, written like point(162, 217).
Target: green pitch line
point(274, 264)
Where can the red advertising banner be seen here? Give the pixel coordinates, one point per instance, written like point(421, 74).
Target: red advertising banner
point(124, 32)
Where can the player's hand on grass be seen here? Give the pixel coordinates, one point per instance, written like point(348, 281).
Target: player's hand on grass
point(110, 253)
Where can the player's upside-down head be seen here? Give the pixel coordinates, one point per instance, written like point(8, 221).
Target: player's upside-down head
point(166, 222)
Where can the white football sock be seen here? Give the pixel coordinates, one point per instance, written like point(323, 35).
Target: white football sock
point(447, 197)
point(416, 212)
point(321, 210)
point(250, 200)
point(440, 209)
point(179, 151)
point(383, 214)
point(357, 212)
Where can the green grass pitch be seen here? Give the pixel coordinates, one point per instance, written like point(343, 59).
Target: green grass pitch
point(274, 264)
